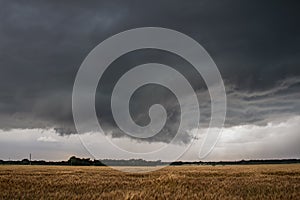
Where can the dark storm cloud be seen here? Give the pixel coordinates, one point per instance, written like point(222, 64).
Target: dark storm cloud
point(256, 46)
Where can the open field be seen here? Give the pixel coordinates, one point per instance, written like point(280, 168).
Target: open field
point(184, 182)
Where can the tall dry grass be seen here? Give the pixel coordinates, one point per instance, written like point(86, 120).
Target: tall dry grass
point(188, 182)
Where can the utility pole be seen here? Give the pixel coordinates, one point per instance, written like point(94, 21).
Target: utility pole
point(30, 158)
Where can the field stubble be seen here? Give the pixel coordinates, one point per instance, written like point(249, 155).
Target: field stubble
point(182, 182)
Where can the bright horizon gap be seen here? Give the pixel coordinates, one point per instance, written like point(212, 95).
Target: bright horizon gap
point(276, 140)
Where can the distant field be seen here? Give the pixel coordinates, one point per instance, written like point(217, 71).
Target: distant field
point(188, 182)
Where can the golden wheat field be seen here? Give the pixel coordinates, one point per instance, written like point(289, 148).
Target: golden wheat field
point(180, 182)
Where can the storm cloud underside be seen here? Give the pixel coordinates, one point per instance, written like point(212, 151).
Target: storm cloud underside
point(256, 46)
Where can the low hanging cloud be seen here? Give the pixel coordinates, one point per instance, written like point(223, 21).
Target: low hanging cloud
point(275, 140)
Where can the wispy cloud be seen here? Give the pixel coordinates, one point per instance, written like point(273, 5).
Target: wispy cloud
point(46, 139)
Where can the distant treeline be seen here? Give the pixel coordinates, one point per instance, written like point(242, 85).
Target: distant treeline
point(240, 162)
point(74, 161)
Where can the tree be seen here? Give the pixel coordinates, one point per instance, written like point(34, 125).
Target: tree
point(25, 162)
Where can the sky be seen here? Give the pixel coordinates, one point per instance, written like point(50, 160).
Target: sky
point(255, 45)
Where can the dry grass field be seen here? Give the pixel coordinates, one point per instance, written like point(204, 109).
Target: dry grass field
point(188, 182)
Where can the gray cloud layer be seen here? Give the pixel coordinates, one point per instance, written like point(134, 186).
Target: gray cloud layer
point(255, 44)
